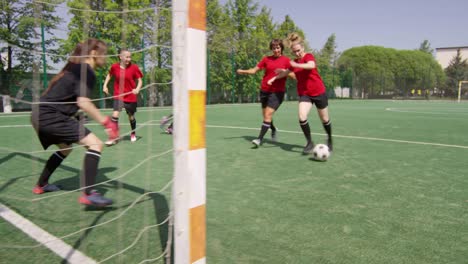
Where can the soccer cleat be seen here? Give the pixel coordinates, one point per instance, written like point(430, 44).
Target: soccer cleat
point(257, 142)
point(169, 130)
point(95, 199)
point(164, 121)
point(46, 188)
point(308, 148)
point(133, 137)
point(274, 135)
point(111, 142)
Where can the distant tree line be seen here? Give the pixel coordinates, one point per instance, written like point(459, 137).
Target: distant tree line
point(238, 34)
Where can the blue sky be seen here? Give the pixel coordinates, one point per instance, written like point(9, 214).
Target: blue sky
point(399, 24)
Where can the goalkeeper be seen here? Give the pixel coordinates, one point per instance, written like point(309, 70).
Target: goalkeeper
point(55, 124)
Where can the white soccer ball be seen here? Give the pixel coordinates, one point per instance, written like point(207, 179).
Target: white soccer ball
point(321, 152)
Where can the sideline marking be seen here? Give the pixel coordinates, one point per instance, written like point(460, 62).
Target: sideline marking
point(53, 243)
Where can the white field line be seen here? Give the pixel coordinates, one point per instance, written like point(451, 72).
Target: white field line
point(353, 137)
point(43, 237)
point(300, 132)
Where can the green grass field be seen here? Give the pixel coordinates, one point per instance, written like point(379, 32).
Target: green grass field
point(395, 190)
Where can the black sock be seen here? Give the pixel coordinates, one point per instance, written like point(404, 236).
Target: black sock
point(264, 129)
point(90, 167)
point(54, 161)
point(306, 130)
point(272, 127)
point(327, 127)
point(133, 125)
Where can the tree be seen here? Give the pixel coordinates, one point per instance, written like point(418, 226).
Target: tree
point(426, 47)
point(379, 71)
point(456, 71)
point(127, 24)
point(20, 27)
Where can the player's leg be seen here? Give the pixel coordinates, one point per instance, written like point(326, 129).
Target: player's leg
point(275, 102)
point(321, 102)
point(267, 114)
point(305, 105)
point(131, 109)
point(89, 172)
point(52, 163)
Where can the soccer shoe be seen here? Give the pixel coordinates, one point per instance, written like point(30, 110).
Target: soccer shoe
point(133, 137)
point(257, 142)
point(46, 188)
point(169, 130)
point(308, 148)
point(111, 142)
point(95, 199)
point(274, 135)
point(163, 122)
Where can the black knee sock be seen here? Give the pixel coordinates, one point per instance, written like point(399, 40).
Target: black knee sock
point(90, 168)
point(54, 161)
point(328, 128)
point(306, 130)
point(272, 127)
point(133, 125)
point(264, 129)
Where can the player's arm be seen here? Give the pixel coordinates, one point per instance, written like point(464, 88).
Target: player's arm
point(281, 73)
point(253, 70)
point(306, 66)
point(85, 104)
point(138, 87)
point(104, 87)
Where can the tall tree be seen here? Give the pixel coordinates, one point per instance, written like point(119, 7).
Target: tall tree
point(456, 71)
point(141, 26)
point(426, 47)
point(21, 23)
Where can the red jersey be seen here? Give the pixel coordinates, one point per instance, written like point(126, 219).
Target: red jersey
point(309, 82)
point(124, 81)
point(270, 64)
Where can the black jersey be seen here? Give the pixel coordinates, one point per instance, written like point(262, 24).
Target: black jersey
point(78, 81)
point(53, 120)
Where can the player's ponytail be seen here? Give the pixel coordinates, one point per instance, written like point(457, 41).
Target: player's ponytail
point(294, 38)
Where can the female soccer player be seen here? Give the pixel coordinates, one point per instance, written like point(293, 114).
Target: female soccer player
point(55, 124)
point(125, 91)
point(310, 89)
point(271, 94)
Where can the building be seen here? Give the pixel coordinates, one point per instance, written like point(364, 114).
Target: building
point(445, 55)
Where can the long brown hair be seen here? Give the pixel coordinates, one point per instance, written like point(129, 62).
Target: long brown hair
point(82, 51)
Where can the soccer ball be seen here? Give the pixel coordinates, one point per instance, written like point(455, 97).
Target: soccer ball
point(321, 152)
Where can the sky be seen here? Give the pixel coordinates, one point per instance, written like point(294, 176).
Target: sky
point(399, 24)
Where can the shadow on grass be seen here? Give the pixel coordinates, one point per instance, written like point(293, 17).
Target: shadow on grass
point(268, 143)
point(160, 203)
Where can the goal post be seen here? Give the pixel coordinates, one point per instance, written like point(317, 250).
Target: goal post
point(460, 83)
point(189, 99)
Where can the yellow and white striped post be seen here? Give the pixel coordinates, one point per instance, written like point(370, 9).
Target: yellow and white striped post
point(189, 97)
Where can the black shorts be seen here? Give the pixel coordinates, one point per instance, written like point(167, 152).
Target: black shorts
point(272, 100)
point(55, 129)
point(320, 101)
point(130, 108)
